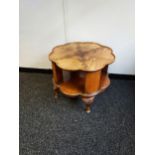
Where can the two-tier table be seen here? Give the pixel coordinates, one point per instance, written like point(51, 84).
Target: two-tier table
point(87, 63)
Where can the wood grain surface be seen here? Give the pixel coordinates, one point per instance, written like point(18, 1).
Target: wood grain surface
point(84, 56)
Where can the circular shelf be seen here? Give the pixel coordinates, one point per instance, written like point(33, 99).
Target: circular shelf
point(76, 87)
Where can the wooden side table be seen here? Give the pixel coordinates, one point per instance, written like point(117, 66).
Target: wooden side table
point(87, 63)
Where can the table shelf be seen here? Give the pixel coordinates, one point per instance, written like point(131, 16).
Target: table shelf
point(75, 87)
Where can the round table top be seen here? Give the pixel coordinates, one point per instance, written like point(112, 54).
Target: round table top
point(84, 56)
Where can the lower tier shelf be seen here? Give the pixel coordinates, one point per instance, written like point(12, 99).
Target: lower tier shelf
point(76, 87)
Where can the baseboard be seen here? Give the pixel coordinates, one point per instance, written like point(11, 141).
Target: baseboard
point(122, 76)
point(49, 71)
point(34, 70)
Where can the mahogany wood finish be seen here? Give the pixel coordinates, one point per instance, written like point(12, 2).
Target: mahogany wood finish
point(87, 63)
point(92, 81)
point(57, 78)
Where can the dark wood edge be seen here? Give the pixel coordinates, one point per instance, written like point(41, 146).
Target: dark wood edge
point(49, 71)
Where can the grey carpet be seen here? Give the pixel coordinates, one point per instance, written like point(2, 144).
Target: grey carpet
point(63, 128)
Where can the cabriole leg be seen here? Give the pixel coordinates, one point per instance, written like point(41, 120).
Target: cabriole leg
point(88, 101)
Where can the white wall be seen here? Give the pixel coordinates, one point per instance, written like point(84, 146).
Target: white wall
point(41, 28)
point(108, 22)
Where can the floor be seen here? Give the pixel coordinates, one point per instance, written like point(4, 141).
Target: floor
point(63, 128)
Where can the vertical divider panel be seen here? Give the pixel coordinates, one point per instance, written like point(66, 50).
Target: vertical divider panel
point(92, 81)
point(57, 74)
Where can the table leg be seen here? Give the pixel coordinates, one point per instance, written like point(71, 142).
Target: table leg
point(88, 101)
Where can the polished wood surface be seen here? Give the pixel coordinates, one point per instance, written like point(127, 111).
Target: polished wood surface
point(85, 56)
point(87, 64)
point(57, 73)
point(57, 78)
point(92, 81)
point(76, 87)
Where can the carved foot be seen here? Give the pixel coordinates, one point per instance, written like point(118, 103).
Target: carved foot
point(88, 102)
